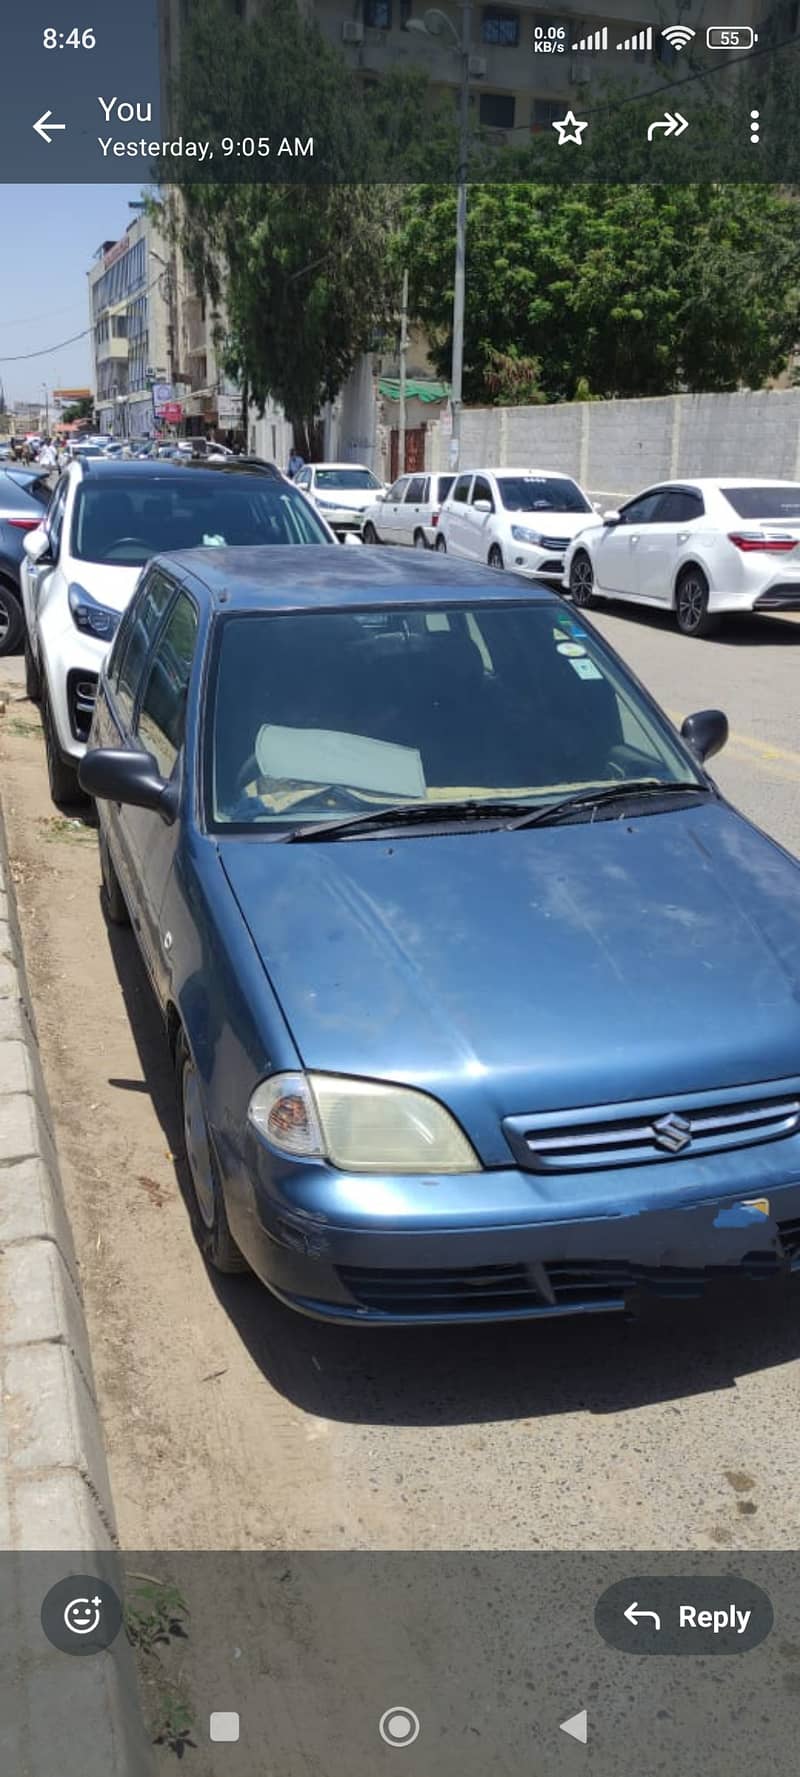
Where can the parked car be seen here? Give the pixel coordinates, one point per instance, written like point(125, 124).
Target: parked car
point(24, 494)
point(514, 518)
point(409, 512)
point(699, 549)
point(340, 491)
point(484, 1002)
point(105, 521)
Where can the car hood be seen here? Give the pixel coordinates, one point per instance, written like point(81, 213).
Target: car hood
point(111, 586)
point(548, 968)
point(346, 499)
point(552, 524)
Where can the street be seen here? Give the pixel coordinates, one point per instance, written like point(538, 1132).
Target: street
point(232, 1424)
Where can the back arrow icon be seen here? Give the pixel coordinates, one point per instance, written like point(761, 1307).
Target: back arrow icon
point(43, 121)
point(635, 1615)
point(673, 124)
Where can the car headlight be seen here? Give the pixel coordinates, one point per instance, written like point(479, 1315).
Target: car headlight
point(359, 1125)
point(521, 535)
point(91, 617)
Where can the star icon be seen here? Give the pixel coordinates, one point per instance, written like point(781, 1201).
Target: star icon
point(570, 130)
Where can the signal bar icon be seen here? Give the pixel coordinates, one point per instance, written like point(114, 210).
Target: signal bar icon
point(596, 40)
point(642, 40)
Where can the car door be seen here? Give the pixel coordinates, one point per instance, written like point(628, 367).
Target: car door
point(412, 514)
point(387, 518)
point(158, 729)
point(478, 523)
point(457, 522)
point(113, 723)
point(616, 552)
point(663, 539)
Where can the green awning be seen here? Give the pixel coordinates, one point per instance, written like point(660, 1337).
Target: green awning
point(416, 389)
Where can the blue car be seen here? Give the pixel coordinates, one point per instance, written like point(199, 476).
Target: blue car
point(484, 1003)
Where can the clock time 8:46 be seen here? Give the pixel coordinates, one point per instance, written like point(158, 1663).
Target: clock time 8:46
point(72, 39)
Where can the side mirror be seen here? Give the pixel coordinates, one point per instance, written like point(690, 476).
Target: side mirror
point(36, 545)
point(482, 506)
point(612, 517)
point(705, 733)
point(113, 774)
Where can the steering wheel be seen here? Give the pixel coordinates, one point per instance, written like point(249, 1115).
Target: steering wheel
point(139, 542)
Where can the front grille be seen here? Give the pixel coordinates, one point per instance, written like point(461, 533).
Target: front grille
point(551, 566)
point(555, 542)
point(632, 1134)
point(81, 694)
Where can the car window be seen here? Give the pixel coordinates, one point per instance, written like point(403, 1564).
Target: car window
point(125, 519)
point(644, 508)
point(461, 489)
point(146, 611)
point(398, 489)
point(441, 487)
point(162, 712)
point(482, 491)
point(764, 502)
point(541, 493)
point(303, 479)
point(417, 490)
point(679, 506)
point(487, 699)
point(347, 478)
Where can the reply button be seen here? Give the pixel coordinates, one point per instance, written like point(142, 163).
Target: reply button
point(674, 1614)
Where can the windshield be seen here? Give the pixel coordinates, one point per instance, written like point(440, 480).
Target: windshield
point(541, 493)
point(346, 478)
point(318, 714)
point(126, 521)
point(764, 502)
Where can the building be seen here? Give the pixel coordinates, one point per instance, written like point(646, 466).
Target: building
point(132, 309)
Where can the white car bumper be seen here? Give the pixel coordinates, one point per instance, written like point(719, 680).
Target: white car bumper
point(528, 558)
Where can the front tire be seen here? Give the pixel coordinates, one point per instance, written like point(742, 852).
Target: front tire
point(692, 614)
point(209, 1215)
point(113, 899)
point(33, 683)
point(12, 622)
point(581, 582)
point(62, 778)
point(496, 556)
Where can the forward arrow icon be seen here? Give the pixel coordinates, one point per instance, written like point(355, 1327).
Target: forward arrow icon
point(672, 123)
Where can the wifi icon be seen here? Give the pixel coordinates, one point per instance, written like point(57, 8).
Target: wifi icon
point(678, 35)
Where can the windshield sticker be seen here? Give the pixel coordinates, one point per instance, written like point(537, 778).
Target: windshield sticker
point(571, 650)
point(585, 669)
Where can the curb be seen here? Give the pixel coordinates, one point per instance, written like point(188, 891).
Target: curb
point(55, 1493)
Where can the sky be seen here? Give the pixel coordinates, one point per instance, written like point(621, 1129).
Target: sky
point(50, 234)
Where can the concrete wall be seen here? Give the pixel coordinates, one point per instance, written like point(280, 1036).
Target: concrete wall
point(620, 446)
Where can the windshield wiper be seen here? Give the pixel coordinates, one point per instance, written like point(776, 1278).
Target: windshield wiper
point(632, 791)
point(400, 814)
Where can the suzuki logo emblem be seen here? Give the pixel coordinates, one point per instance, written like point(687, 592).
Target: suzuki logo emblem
point(672, 1133)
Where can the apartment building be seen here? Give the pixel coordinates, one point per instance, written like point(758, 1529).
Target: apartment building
point(132, 315)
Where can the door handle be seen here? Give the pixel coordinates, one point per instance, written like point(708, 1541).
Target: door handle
point(633, 540)
point(682, 537)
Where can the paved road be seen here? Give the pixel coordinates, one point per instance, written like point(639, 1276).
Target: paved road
point(232, 1424)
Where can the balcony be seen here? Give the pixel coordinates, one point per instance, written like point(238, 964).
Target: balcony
point(111, 348)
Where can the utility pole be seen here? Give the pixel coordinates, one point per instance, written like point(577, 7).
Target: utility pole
point(461, 235)
point(401, 440)
point(46, 410)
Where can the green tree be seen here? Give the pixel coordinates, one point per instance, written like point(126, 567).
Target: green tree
point(624, 290)
point(80, 410)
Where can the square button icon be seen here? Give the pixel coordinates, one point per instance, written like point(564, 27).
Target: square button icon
point(224, 1725)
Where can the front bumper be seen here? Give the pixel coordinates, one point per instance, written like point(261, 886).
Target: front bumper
point(540, 564)
point(350, 1249)
point(342, 518)
point(72, 663)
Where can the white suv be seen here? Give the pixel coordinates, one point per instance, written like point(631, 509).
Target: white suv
point(523, 519)
point(409, 513)
point(81, 565)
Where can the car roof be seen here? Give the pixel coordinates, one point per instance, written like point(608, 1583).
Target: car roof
point(144, 467)
point(295, 577)
point(718, 481)
point(508, 469)
point(364, 466)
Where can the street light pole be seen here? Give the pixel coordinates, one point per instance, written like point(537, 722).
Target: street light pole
point(46, 410)
point(459, 284)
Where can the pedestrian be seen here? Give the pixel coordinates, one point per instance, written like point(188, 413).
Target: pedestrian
point(296, 461)
point(47, 456)
point(63, 454)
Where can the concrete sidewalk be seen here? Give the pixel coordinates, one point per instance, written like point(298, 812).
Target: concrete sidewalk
point(54, 1485)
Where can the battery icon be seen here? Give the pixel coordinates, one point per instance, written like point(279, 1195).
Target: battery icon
point(731, 37)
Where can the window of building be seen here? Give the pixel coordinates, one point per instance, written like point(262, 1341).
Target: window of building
point(500, 25)
point(378, 13)
point(497, 111)
point(544, 113)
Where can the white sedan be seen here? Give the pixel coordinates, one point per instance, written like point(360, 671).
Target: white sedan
point(696, 548)
point(340, 491)
point(409, 513)
point(522, 519)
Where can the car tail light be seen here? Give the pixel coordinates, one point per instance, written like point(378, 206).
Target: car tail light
point(434, 520)
point(24, 524)
point(747, 541)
